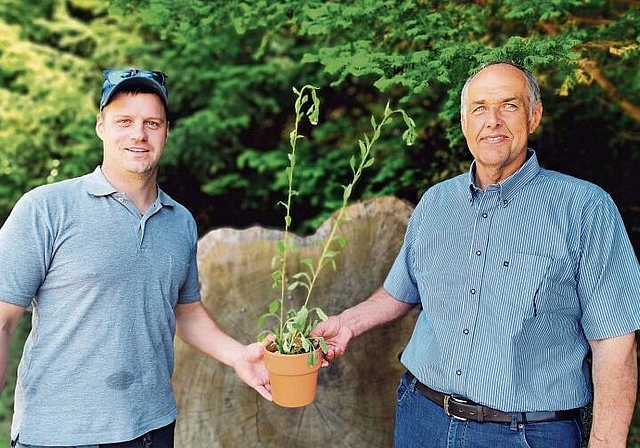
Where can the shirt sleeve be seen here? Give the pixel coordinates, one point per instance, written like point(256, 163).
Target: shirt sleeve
point(400, 281)
point(25, 251)
point(609, 274)
point(190, 290)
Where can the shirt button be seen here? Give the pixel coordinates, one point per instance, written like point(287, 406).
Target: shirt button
point(478, 252)
point(473, 291)
point(465, 331)
point(484, 215)
point(120, 200)
point(458, 372)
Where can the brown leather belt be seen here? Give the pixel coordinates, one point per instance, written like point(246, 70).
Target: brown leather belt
point(464, 409)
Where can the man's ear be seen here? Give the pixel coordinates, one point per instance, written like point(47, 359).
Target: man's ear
point(535, 119)
point(100, 125)
point(463, 124)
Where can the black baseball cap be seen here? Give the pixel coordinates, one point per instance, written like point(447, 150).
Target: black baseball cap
point(116, 80)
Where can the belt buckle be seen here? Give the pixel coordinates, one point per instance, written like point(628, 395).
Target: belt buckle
point(445, 406)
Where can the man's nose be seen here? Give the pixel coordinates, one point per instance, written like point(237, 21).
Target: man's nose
point(138, 132)
point(494, 117)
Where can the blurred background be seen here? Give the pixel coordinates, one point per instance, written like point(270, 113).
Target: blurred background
point(231, 68)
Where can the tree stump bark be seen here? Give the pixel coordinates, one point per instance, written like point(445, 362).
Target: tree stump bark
point(355, 401)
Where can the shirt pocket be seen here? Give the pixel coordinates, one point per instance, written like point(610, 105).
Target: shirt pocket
point(515, 282)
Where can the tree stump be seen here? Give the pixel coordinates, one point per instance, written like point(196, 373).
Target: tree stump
point(355, 401)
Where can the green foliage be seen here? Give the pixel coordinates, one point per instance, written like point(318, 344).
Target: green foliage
point(230, 65)
point(227, 137)
point(49, 87)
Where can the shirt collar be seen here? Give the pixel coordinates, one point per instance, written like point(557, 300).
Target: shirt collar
point(165, 199)
point(97, 185)
point(512, 184)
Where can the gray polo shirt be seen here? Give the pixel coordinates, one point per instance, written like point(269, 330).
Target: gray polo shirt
point(103, 281)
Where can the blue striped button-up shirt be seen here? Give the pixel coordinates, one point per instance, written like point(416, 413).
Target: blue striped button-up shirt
point(513, 282)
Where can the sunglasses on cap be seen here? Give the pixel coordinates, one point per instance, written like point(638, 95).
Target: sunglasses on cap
point(115, 76)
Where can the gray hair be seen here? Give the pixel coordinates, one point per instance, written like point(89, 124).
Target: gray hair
point(533, 89)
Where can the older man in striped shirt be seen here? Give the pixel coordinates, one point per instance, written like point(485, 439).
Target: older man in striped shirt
point(520, 272)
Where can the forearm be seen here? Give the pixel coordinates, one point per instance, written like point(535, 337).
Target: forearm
point(377, 310)
point(197, 328)
point(615, 380)
point(9, 317)
point(5, 344)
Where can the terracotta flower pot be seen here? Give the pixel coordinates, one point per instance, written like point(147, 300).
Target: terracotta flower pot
point(293, 380)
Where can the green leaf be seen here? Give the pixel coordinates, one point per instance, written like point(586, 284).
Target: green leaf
point(312, 358)
point(263, 334)
point(363, 148)
point(342, 242)
point(302, 277)
point(308, 262)
point(321, 314)
point(347, 192)
point(331, 253)
point(323, 345)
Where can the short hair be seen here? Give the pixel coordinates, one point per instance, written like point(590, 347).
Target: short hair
point(137, 89)
point(533, 89)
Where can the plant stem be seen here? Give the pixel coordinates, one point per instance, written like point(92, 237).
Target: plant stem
point(293, 140)
point(365, 161)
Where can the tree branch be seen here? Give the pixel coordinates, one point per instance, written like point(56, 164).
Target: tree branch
point(595, 72)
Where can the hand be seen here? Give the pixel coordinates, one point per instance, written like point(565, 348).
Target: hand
point(336, 334)
point(250, 368)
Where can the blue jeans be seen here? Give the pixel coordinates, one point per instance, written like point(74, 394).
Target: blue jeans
point(158, 438)
point(422, 423)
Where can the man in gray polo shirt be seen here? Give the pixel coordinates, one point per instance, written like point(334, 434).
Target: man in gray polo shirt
point(108, 262)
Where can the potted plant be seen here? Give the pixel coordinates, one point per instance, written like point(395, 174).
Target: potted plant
point(291, 342)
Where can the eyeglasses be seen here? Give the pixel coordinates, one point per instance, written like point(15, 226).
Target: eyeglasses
point(116, 76)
